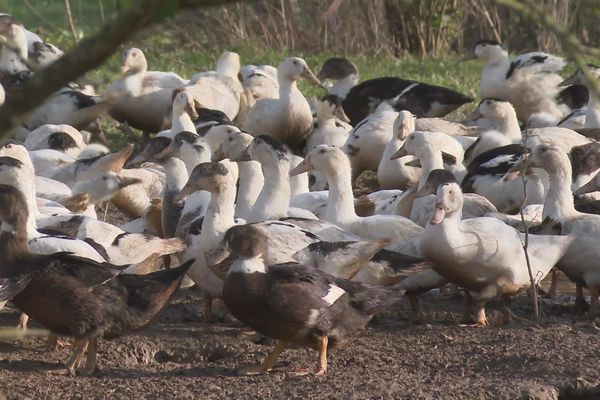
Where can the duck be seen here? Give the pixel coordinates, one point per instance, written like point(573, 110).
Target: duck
point(220, 89)
point(529, 81)
point(361, 99)
point(327, 129)
point(483, 255)
point(45, 54)
point(288, 117)
point(63, 138)
point(14, 53)
point(183, 113)
point(592, 110)
point(260, 81)
point(148, 93)
point(395, 173)
point(507, 130)
point(578, 262)
point(77, 297)
point(335, 164)
point(486, 177)
point(367, 141)
point(251, 179)
point(310, 308)
point(273, 202)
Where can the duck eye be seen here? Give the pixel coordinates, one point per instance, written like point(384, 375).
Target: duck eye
point(295, 62)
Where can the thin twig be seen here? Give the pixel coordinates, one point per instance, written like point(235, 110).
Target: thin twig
point(70, 20)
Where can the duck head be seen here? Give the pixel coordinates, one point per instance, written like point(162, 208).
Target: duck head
point(134, 62)
point(488, 51)
point(13, 172)
point(546, 156)
point(323, 158)
point(14, 35)
point(18, 151)
point(105, 186)
point(331, 106)
point(209, 176)
point(228, 64)
point(183, 102)
point(264, 149)
point(295, 68)
point(579, 77)
point(495, 109)
point(404, 124)
point(435, 178)
point(46, 53)
point(448, 201)
point(416, 144)
point(110, 162)
point(232, 146)
point(337, 68)
point(243, 241)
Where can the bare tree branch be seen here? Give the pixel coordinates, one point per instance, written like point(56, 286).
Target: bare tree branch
point(88, 54)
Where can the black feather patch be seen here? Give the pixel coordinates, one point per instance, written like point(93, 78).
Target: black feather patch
point(61, 141)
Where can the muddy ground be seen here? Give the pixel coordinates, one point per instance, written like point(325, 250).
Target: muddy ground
point(180, 356)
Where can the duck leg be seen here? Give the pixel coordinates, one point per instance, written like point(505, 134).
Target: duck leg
point(208, 306)
point(268, 363)
point(480, 317)
point(581, 305)
point(91, 361)
point(467, 317)
point(23, 320)
point(73, 362)
point(415, 306)
point(553, 284)
point(322, 347)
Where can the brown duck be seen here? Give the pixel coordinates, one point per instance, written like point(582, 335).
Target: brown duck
point(73, 296)
point(295, 303)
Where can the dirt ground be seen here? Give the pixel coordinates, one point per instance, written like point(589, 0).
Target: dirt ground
point(179, 356)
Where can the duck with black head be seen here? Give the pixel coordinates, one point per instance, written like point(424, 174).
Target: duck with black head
point(292, 302)
point(73, 296)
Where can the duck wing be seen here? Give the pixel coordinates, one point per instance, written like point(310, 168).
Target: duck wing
point(10, 287)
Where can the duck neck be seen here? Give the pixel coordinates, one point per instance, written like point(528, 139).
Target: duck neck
point(274, 198)
point(342, 87)
point(559, 202)
point(430, 159)
point(509, 125)
point(133, 83)
point(219, 215)
point(340, 205)
point(182, 122)
point(191, 157)
point(286, 87)
point(248, 265)
point(592, 116)
point(176, 173)
point(251, 182)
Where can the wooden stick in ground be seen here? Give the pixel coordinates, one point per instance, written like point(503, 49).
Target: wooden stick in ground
point(70, 20)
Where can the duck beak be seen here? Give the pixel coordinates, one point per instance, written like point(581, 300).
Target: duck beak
point(217, 155)
point(414, 163)
point(125, 68)
point(438, 215)
point(166, 152)
point(217, 255)
point(341, 114)
point(467, 57)
point(519, 169)
point(185, 192)
point(400, 153)
point(589, 187)
point(243, 156)
point(572, 80)
point(301, 168)
point(308, 75)
point(190, 109)
point(116, 161)
point(124, 182)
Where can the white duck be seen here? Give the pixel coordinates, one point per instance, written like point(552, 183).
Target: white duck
point(484, 255)
point(580, 261)
point(332, 162)
point(529, 82)
point(260, 81)
point(395, 173)
point(148, 93)
point(592, 110)
point(507, 131)
point(288, 117)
